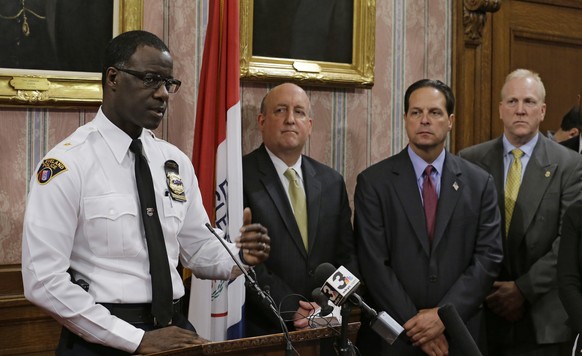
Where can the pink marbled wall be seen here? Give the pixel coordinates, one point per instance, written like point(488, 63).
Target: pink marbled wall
point(13, 182)
point(353, 128)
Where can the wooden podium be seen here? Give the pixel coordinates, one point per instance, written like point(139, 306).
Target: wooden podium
point(306, 342)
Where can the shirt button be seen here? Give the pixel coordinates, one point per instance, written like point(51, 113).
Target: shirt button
point(111, 212)
point(432, 278)
point(311, 273)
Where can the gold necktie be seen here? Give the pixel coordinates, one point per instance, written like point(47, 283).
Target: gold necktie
point(512, 186)
point(297, 196)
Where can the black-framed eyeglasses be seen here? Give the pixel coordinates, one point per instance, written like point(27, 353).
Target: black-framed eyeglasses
point(153, 80)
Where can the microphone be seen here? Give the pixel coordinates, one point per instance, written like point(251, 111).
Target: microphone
point(322, 300)
point(341, 285)
point(325, 316)
point(266, 298)
point(457, 330)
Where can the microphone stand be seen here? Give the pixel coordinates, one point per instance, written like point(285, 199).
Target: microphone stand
point(266, 300)
point(345, 313)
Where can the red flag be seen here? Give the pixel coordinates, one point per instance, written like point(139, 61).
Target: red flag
point(217, 159)
point(220, 66)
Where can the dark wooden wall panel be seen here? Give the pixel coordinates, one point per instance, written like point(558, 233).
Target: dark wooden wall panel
point(544, 36)
point(472, 56)
point(558, 59)
point(24, 328)
point(494, 37)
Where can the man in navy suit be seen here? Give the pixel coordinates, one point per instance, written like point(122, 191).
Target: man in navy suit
point(570, 132)
point(415, 259)
point(524, 312)
point(297, 248)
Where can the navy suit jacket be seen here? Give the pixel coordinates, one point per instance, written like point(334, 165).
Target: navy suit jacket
point(403, 271)
point(551, 182)
point(290, 269)
point(569, 266)
point(572, 143)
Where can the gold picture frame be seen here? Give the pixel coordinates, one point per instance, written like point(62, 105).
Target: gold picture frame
point(23, 87)
point(358, 73)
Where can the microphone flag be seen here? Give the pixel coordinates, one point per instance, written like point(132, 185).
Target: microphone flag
point(340, 285)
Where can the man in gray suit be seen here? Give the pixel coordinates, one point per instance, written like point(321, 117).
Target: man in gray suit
point(538, 179)
point(427, 228)
point(298, 245)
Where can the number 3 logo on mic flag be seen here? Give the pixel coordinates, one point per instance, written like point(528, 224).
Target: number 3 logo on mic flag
point(340, 285)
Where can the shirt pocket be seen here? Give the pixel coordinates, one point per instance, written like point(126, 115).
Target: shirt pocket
point(174, 215)
point(112, 225)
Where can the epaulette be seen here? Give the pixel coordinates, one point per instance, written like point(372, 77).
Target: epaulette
point(77, 138)
point(153, 135)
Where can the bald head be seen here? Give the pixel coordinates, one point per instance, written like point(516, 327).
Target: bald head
point(285, 121)
point(285, 87)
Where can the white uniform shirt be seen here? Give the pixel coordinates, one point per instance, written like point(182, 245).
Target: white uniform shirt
point(86, 217)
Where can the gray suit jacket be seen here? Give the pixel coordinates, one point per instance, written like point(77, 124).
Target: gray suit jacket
point(290, 269)
point(552, 181)
point(402, 270)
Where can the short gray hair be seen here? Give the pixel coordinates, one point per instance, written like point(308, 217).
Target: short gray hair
point(526, 73)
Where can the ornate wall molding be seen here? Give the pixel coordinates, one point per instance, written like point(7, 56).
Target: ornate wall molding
point(474, 17)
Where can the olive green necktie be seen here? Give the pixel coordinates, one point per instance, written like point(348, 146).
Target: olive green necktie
point(512, 186)
point(298, 203)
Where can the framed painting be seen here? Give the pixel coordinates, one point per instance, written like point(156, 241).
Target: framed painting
point(323, 42)
point(54, 47)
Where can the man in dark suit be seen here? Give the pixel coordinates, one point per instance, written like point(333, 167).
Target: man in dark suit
point(524, 313)
point(570, 132)
point(427, 228)
point(297, 246)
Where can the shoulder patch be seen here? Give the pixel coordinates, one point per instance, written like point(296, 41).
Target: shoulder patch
point(50, 167)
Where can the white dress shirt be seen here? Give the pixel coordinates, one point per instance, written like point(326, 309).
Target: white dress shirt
point(87, 218)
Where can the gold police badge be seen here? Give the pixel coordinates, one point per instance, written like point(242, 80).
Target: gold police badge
point(174, 181)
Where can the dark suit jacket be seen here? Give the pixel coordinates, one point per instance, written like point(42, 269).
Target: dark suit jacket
point(572, 143)
point(290, 269)
point(402, 270)
point(551, 182)
point(570, 265)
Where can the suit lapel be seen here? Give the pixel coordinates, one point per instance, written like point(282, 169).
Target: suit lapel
point(493, 163)
point(452, 186)
point(407, 191)
point(536, 179)
point(272, 183)
point(313, 196)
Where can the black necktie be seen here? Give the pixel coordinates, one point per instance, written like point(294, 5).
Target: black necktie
point(159, 267)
